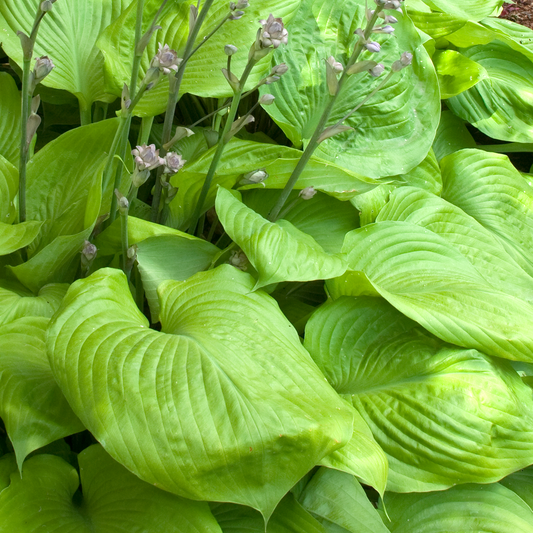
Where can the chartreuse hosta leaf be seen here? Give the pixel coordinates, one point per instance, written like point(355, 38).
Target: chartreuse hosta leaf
point(278, 251)
point(9, 119)
point(429, 280)
point(452, 136)
point(202, 76)
point(469, 9)
point(241, 157)
point(47, 498)
point(434, 24)
point(386, 139)
point(478, 244)
point(289, 517)
point(442, 414)
point(17, 236)
point(338, 498)
point(32, 406)
point(223, 404)
point(16, 301)
point(487, 508)
point(490, 189)
point(167, 257)
point(68, 36)
point(499, 105)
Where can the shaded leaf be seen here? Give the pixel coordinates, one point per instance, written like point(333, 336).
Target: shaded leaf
point(9, 119)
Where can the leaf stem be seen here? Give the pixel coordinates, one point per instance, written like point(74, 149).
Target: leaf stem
point(173, 97)
point(223, 140)
point(313, 142)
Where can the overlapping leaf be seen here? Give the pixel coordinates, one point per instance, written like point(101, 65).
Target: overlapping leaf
point(15, 237)
point(490, 189)
point(430, 281)
point(9, 181)
point(443, 415)
point(32, 406)
point(9, 119)
point(278, 251)
point(224, 404)
point(203, 76)
point(387, 139)
point(47, 498)
point(469, 9)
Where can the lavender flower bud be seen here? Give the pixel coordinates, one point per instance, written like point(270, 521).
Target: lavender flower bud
point(271, 79)
point(389, 19)
point(147, 157)
point(236, 15)
point(241, 4)
point(229, 49)
point(173, 163)
point(267, 99)
point(335, 65)
point(373, 47)
point(404, 61)
point(377, 71)
point(307, 193)
point(279, 70)
point(46, 6)
point(383, 29)
point(88, 251)
point(43, 67)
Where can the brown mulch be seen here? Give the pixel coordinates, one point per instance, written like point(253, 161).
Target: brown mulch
point(520, 12)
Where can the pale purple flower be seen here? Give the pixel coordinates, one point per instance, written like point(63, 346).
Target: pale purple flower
point(147, 157)
point(383, 29)
point(405, 60)
point(173, 163)
point(166, 59)
point(373, 47)
point(273, 32)
point(307, 193)
point(43, 67)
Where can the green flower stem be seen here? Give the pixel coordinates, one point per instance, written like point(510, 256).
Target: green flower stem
point(172, 102)
point(26, 96)
point(100, 111)
point(223, 140)
point(313, 143)
point(145, 130)
point(124, 239)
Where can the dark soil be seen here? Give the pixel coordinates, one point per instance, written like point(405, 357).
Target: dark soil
point(520, 12)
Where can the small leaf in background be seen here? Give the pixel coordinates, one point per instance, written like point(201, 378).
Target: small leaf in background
point(47, 498)
point(430, 281)
point(289, 517)
point(442, 414)
point(17, 302)
point(278, 251)
point(68, 35)
point(32, 406)
point(9, 120)
point(170, 257)
point(338, 498)
point(487, 508)
point(499, 105)
point(219, 405)
point(387, 138)
point(452, 136)
point(9, 182)
point(13, 238)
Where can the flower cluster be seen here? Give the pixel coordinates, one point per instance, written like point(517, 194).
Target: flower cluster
point(166, 59)
point(271, 35)
point(147, 158)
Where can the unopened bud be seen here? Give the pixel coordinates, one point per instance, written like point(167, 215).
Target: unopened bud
point(43, 67)
point(89, 251)
point(377, 70)
point(333, 67)
point(236, 15)
point(239, 260)
point(34, 121)
point(193, 16)
point(180, 133)
point(123, 204)
point(267, 99)
point(383, 29)
point(361, 66)
point(307, 193)
point(373, 47)
point(132, 253)
point(256, 176)
point(46, 6)
point(271, 79)
point(229, 49)
point(333, 130)
point(279, 70)
point(404, 61)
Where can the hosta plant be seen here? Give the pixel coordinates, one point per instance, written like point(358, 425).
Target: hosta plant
point(265, 266)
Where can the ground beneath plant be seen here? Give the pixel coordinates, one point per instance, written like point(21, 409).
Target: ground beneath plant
point(520, 12)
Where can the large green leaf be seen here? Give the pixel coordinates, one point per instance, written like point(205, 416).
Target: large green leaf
point(490, 509)
point(387, 139)
point(289, 517)
point(434, 24)
point(430, 281)
point(202, 76)
point(17, 302)
point(278, 251)
point(224, 404)
point(241, 157)
point(165, 257)
point(452, 136)
point(9, 119)
point(521, 483)
point(32, 406)
point(443, 415)
point(47, 498)
point(489, 188)
point(479, 245)
point(339, 499)
point(500, 105)
point(68, 36)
